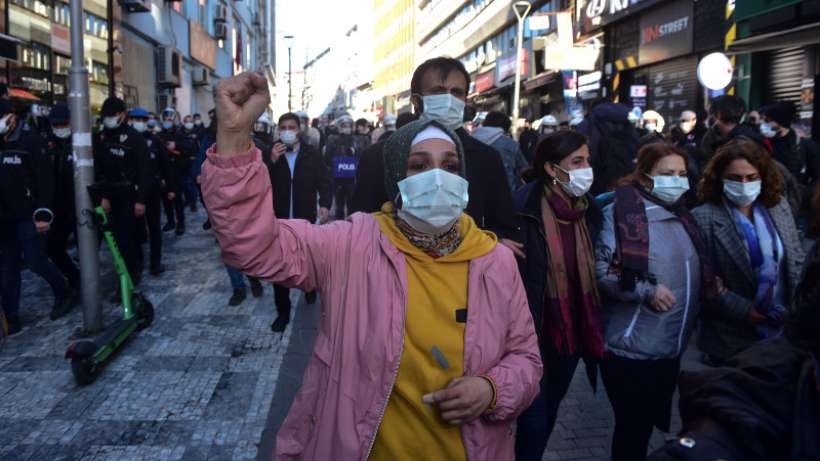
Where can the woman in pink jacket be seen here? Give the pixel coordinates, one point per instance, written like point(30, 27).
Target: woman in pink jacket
point(426, 347)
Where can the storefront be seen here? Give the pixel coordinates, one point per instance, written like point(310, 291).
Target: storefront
point(43, 55)
point(651, 55)
point(778, 42)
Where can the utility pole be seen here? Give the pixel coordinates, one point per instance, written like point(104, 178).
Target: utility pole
point(83, 173)
point(521, 8)
point(289, 42)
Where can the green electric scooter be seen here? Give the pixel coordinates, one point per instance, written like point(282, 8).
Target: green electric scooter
point(87, 356)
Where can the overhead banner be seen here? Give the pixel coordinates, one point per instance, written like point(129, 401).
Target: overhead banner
point(594, 14)
point(666, 32)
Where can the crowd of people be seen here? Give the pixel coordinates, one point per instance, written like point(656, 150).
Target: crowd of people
point(482, 271)
point(465, 274)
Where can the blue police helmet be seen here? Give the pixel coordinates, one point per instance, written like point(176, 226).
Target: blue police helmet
point(139, 112)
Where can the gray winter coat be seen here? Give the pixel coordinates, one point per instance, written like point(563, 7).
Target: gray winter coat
point(511, 155)
point(632, 329)
point(724, 329)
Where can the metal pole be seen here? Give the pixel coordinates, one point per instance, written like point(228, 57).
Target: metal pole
point(525, 6)
point(290, 86)
point(109, 18)
point(83, 173)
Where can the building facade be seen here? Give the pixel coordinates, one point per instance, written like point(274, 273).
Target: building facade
point(482, 35)
point(152, 53)
point(394, 52)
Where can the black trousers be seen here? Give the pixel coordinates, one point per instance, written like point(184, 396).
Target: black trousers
point(344, 196)
point(57, 248)
point(151, 220)
point(124, 228)
point(281, 295)
point(174, 209)
point(640, 392)
point(536, 423)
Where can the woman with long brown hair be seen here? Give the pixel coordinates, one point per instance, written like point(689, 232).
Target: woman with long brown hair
point(754, 245)
point(652, 268)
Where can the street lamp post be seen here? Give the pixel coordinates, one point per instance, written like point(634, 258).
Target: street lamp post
point(521, 9)
point(289, 41)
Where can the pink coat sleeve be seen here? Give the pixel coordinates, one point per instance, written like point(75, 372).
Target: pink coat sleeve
point(238, 194)
point(517, 376)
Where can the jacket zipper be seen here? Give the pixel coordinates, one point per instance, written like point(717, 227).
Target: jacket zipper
point(392, 382)
point(686, 307)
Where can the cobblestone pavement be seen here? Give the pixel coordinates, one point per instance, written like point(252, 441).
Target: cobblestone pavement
point(585, 420)
point(196, 385)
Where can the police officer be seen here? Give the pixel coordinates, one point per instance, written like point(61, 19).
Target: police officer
point(161, 177)
point(62, 160)
point(189, 186)
point(26, 196)
point(342, 155)
point(121, 158)
point(262, 136)
point(180, 150)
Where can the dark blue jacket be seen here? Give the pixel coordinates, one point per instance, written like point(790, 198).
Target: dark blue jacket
point(533, 269)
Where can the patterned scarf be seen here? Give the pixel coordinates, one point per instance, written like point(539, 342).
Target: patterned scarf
point(559, 303)
point(761, 239)
point(632, 231)
point(434, 246)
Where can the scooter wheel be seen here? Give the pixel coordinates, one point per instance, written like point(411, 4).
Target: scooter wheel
point(145, 311)
point(84, 369)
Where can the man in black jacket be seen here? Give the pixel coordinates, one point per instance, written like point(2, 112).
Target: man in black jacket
point(438, 91)
point(298, 176)
point(800, 156)
point(161, 186)
point(26, 197)
point(181, 155)
point(122, 163)
point(62, 161)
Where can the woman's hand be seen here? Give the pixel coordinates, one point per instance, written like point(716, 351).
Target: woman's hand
point(755, 317)
point(240, 100)
point(464, 400)
point(664, 299)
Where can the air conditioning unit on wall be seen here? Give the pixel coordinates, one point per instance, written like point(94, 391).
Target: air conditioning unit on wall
point(221, 13)
point(220, 31)
point(200, 76)
point(169, 68)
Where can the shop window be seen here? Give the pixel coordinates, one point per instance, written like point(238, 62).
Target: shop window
point(35, 57)
point(99, 73)
point(37, 6)
point(62, 64)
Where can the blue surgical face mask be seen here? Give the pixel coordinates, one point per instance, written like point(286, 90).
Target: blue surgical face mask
point(139, 126)
point(111, 122)
point(742, 193)
point(432, 201)
point(167, 125)
point(445, 109)
point(669, 189)
point(767, 130)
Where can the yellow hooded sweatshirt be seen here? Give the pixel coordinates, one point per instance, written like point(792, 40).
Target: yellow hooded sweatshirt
point(437, 288)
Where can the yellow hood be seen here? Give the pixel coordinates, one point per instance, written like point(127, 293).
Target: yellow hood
point(475, 242)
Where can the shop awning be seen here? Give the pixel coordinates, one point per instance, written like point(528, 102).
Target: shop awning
point(808, 34)
point(22, 94)
point(540, 80)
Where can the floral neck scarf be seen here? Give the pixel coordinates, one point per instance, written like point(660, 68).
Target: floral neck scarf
point(435, 246)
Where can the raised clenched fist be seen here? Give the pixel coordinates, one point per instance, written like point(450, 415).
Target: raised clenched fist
point(240, 100)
